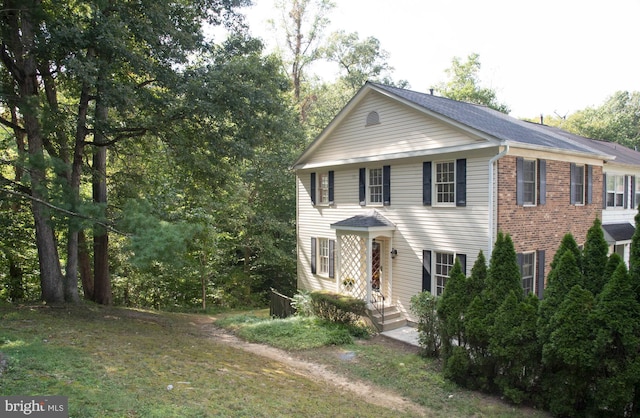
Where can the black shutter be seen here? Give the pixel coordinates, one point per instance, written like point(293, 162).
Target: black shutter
point(604, 191)
point(386, 185)
point(331, 187)
point(626, 192)
point(426, 270)
point(426, 183)
point(313, 188)
point(633, 193)
point(572, 182)
point(332, 260)
point(462, 258)
point(540, 273)
point(461, 182)
point(362, 186)
point(313, 256)
point(542, 172)
point(520, 260)
point(520, 181)
point(589, 184)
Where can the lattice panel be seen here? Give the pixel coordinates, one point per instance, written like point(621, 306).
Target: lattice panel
point(353, 266)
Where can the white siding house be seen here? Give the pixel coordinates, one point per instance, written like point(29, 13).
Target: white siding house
point(400, 184)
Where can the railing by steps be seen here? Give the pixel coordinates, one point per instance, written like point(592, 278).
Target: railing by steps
point(377, 301)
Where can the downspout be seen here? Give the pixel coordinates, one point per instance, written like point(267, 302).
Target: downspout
point(491, 197)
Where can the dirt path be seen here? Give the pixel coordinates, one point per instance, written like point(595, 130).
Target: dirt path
point(316, 371)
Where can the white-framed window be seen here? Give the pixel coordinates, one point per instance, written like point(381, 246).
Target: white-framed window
point(637, 192)
point(323, 256)
point(323, 188)
point(528, 272)
point(445, 182)
point(529, 177)
point(443, 265)
point(615, 191)
point(374, 186)
point(577, 183)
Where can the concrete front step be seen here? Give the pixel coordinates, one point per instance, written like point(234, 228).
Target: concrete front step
point(393, 319)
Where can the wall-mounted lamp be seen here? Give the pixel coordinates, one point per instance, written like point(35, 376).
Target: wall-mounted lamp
point(394, 253)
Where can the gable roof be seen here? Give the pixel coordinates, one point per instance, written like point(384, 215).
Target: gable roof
point(479, 120)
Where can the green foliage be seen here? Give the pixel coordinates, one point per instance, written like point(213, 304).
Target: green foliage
point(514, 345)
point(464, 84)
point(424, 305)
point(634, 257)
point(568, 243)
point(617, 338)
point(451, 307)
point(595, 256)
point(302, 303)
point(569, 357)
point(336, 307)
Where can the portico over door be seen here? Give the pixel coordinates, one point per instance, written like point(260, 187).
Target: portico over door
point(363, 256)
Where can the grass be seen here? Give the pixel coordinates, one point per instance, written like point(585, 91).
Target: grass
point(113, 362)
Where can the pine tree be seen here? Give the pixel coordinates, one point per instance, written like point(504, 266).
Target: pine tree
point(568, 243)
point(514, 345)
point(477, 281)
point(569, 357)
point(595, 256)
point(617, 338)
point(566, 276)
point(451, 308)
point(634, 257)
point(612, 264)
point(503, 279)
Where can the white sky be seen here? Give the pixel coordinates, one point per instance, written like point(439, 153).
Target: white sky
point(542, 56)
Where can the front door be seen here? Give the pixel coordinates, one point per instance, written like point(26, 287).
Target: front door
point(376, 266)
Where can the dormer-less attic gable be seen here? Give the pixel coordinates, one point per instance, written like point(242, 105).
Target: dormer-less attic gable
point(375, 127)
point(383, 122)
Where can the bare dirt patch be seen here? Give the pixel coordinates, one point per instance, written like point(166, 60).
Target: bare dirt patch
point(313, 370)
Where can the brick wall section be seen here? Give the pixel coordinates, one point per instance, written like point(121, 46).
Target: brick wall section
point(542, 227)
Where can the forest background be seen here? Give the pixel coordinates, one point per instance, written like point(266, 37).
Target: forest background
point(145, 162)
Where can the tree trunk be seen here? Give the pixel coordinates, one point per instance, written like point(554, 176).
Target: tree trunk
point(102, 282)
point(84, 265)
point(48, 259)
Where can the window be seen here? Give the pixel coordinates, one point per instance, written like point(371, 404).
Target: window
point(323, 188)
point(529, 182)
point(323, 256)
point(444, 263)
point(375, 185)
point(615, 191)
point(577, 184)
point(637, 192)
point(527, 270)
point(445, 183)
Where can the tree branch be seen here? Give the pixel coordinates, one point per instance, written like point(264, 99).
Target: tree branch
point(65, 211)
point(12, 125)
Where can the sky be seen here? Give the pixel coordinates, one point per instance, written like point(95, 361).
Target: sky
point(551, 57)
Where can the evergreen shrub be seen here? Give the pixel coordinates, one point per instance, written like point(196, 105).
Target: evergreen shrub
point(335, 307)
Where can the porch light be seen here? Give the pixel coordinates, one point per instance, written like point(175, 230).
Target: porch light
point(394, 253)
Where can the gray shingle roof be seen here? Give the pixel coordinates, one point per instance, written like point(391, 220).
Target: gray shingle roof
point(623, 154)
point(372, 219)
point(489, 121)
point(618, 232)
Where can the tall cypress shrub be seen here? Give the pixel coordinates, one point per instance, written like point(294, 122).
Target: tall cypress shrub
point(595, 255)
point(451, 307)
point(617, 338)
point(569, 356)
point(634, 257)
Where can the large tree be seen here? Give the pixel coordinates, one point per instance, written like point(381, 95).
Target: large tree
point(464, 84)
point(84, 77)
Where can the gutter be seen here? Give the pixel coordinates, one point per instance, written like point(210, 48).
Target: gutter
point(491, 198)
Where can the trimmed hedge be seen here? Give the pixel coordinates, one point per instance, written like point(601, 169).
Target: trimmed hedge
point(335, 307)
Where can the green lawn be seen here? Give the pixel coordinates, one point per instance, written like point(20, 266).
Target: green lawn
point(113, 362)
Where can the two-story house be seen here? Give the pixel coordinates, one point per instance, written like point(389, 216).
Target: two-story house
point(402, 183)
